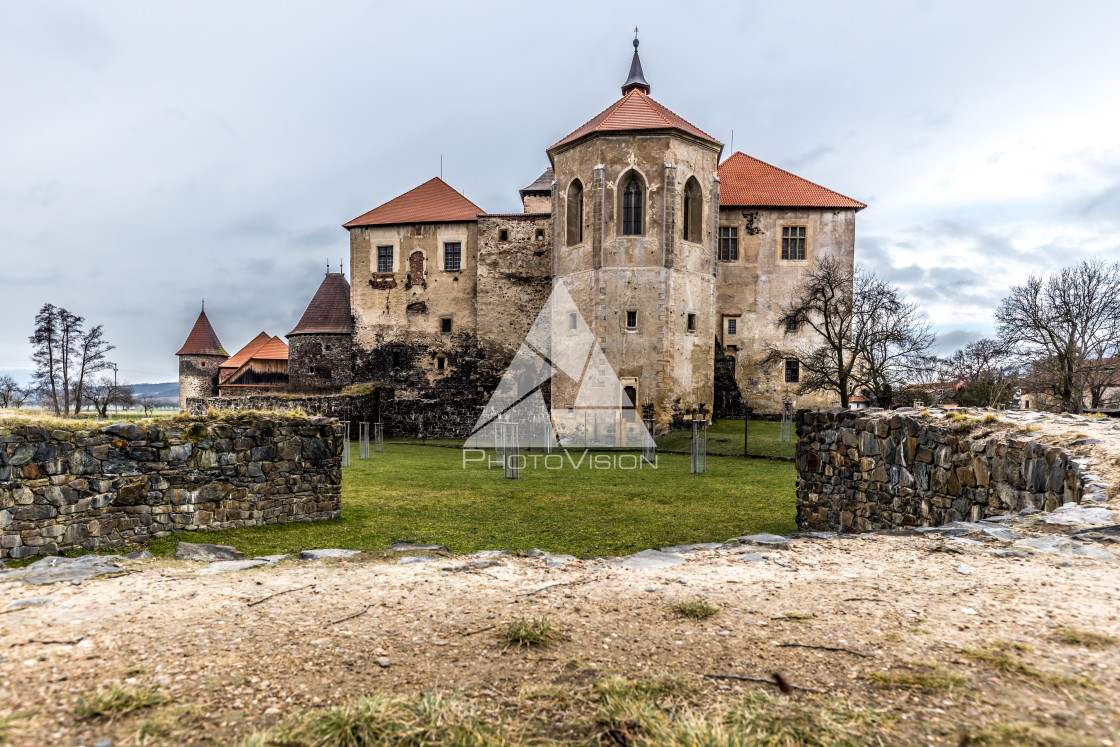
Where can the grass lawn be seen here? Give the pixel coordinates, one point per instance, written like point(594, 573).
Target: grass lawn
point(422, 494)
point(726, 437)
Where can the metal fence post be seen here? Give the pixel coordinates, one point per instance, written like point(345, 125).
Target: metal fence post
point(346, 445)
point(363, 440)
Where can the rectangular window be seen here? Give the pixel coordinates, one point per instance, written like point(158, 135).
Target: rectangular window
point(793, 371)
point(690, 325)
point(453, 256)
point(441, 362)
point(503, 234)
point(732, 326)
point(631, 320)
point(728, 244)
point(445, 325)
point(540, 234)
point(793, 242)
point(573, 321)
point(791, 323)
point(384, 259)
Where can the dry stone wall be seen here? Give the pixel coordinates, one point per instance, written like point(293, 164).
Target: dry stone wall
point(126, 483)
point(883, 470)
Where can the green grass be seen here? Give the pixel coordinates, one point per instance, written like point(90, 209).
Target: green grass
point(110, 702)
point(697, 609)
point(725, 437)
point(423, 494)
point(537, 631)
point(922, 676)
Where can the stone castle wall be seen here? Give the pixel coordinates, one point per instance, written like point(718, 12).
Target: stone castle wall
point(127, 483)
point(878, 471)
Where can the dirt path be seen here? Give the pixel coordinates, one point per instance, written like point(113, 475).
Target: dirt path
point(889, 601)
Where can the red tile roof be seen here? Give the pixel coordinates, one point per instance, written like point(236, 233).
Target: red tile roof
point(274, 350)
point(246, 352)
point(636, 111)
point(202, 340)
point(749, 182)
point(434, 201)
point(329, 310)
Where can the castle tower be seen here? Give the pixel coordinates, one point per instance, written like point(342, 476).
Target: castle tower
point(320, 346)
point(634, 234)
point(199, 360)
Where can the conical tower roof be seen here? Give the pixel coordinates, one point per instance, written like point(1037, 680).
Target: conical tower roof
point(203, 340)
point(329, 310)
point(637, 78)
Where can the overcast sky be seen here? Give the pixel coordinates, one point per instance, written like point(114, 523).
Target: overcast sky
point(155, 153)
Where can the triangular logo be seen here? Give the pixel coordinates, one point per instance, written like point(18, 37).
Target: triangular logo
point(602, 414)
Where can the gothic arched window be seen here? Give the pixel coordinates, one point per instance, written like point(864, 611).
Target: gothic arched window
point(693, 210)
point(574, 228)
point(632, 208)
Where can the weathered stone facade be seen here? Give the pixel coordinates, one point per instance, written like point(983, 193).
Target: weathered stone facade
point(198, 377)
point(880, 471)
point(319, 362)
point(127, 483)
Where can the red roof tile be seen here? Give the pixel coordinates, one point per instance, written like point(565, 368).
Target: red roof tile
point(274, 350)
point(636, 111)
point(434, 201)
point(749, 182)
point(246, 352)
point(202, 340)
point(329, 310)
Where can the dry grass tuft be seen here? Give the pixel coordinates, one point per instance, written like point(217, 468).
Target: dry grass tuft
point(118, 700)
point(1086, 638)
point(522, 631)
point(923, 677)
point(697, 609)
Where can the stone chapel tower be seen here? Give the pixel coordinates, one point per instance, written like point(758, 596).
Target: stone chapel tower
point(636, 208)
point(199, 361)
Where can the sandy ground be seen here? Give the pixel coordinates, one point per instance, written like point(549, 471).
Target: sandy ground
point(251, 647)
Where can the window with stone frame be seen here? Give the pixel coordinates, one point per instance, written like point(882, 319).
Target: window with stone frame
point(632, 207)
point(791, 323)
point(445, 325)
point(631, 319)
point(693, 210)
point(452, 256)
point(732, 325)
point(573, 205)
point(793, 371)
point(690, 323)
point(793, 242)
point(728, 244)
point(384, 259)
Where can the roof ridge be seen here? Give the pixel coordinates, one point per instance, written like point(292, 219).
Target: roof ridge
point(656, 106)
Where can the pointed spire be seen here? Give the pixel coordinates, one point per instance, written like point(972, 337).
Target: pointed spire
point(636, 79)
point(202, 340)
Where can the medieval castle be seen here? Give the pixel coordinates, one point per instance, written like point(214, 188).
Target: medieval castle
point(677, 262)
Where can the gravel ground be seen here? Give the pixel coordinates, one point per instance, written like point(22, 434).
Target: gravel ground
point(250, 647)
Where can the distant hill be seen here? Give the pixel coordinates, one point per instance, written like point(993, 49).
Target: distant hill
point(166, 392)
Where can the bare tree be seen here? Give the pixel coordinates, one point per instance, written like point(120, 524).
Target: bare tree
point(867, 333)
point(91, 349)
point(8, 386)
point(989, 369)
point(105, 393)
point(147, 401)
point(65, 356)
point(1065, 323)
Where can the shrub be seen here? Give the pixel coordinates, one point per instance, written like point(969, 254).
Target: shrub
point(697, 609)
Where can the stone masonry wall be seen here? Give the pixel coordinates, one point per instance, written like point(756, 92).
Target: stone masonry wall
point(126, 483)
point(884, 470)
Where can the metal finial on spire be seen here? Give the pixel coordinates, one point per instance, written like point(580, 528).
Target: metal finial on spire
point(636, 79)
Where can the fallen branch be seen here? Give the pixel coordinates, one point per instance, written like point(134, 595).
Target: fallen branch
point(270, 596)
point(351, 617)
point(863, 599)
point(77, 640)
point(780, 684)
point(480, 630)
point(550, 586)
point(827, 648)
